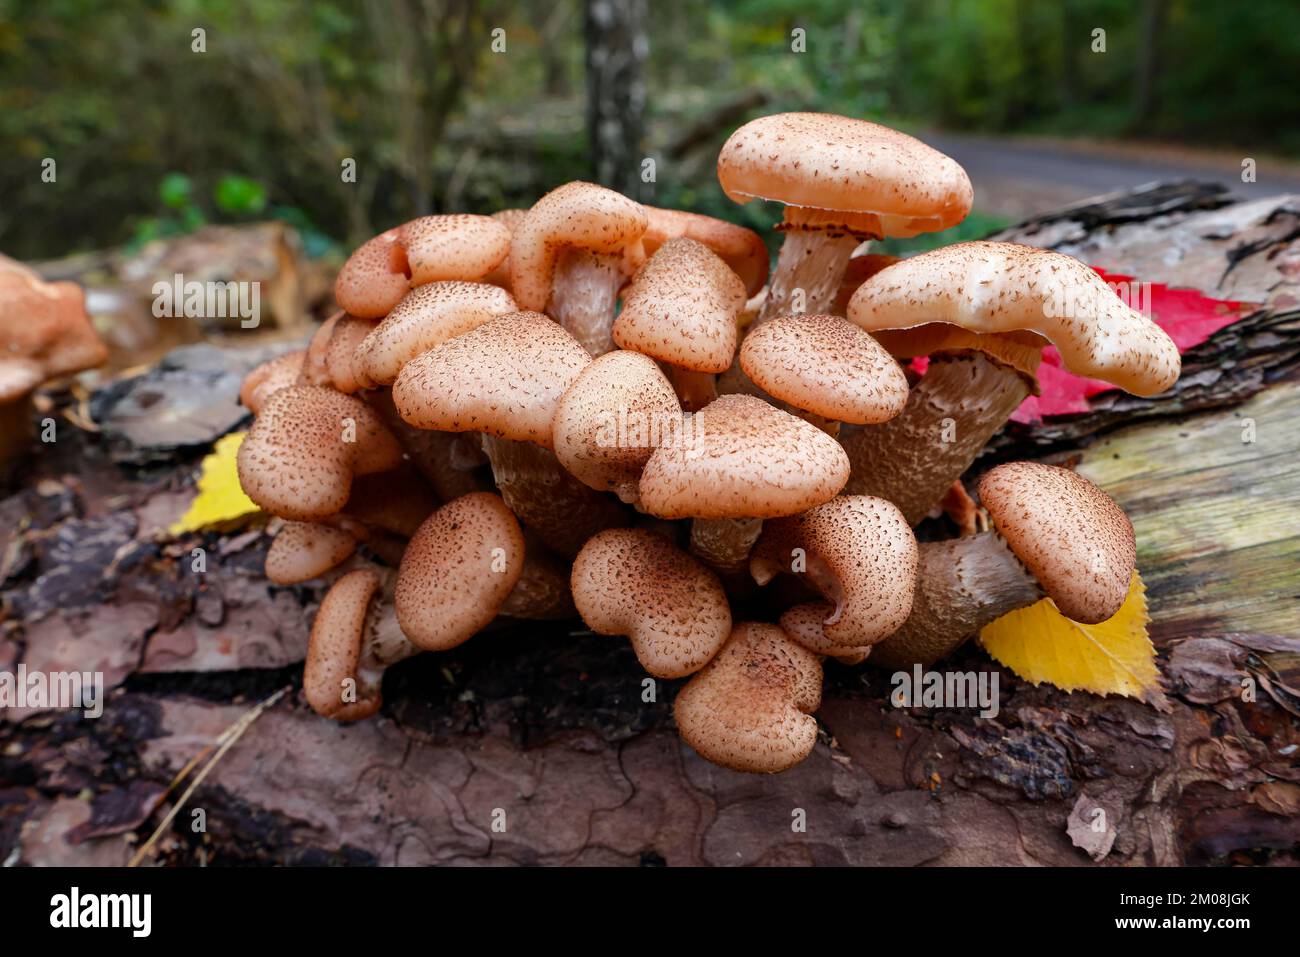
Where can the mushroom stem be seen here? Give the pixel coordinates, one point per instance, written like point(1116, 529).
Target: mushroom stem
point(561, 511)
point(694, 389)
point(962, 585)
point(812, 260)
point(914, 458)
point(724, 544)
point(584, 294)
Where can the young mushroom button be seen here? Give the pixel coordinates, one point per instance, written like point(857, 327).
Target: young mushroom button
point(1056, 534)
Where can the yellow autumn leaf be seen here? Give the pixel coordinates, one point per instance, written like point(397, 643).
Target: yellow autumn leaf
point(220, 499)
point(1040, 644)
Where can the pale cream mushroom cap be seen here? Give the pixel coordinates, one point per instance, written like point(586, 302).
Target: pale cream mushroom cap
point(631, 581)
point(989, 287)
point(740, 248)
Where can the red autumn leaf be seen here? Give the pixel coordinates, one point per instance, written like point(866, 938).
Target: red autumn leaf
point(1185, 314)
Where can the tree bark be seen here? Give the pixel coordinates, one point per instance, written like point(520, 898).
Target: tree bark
point(616, 50)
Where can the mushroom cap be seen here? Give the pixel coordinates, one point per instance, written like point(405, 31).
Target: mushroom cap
point(579, 215)
point(739, 457)
point(631, 581)
point(750, 709)
point(426, 317)
point(269, 377)
point(374, 277)
point(803, 625)
point(457, 246)
point(609, 421)
point(829, 162)
point(827, 366)
point(682, 308)
point(315, 368)
point(346, 373)
point(44, 332)
point(859, 552)
point(990, 287)
point(431, 248)
point(301, 551)
point(458, 569)
point(304, 448)
point(504, 378)
point(334, 650)
point(740, 248)
point(1070, 534)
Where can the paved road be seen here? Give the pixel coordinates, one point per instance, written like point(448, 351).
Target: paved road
point(1015, 178)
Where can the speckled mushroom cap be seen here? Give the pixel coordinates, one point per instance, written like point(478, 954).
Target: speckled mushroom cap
point(304, 448)
point(346, 373)
point(381, 270)
point(315, 368)
point(1070, 534)
point(750, 709)
point(740, 248)
point(458, 570)
point(682, 307)
point(827, 366)
point(425, 318)
point(329, 678)
point(611, 419)
point(739, 457)
point(269, 377)
point(579, 215)
point(459, 246)
point(859, 552)
point(989, 287)
point(301, 551)
point(504, 378)
point(630, 581)
point(803, 625)
point(838, 165)
point(44, 332)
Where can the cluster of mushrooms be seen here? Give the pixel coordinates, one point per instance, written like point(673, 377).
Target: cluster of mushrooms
point(601, 406)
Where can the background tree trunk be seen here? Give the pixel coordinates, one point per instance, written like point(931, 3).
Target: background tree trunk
point(616, 50)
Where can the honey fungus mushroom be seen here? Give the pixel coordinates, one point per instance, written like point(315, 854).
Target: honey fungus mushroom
point(995, 306)
point(841, 180)
point(741, 249)
point(571, 255)
point(383, 269)
point(750, 708)
point(1055, 534)
point(681, 309)
point(634, 582)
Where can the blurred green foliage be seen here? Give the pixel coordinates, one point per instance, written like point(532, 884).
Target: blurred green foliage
point(150, 136)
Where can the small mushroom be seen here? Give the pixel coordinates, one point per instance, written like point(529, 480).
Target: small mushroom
point(353, 639)
point(571, 255)
point(630, 581)
point(304, 449)
point(1007, 299)
point(429, 249)
point(425, 318)
point(858, 552)
point(737, 462)
point(842, 181)
point(611, 419)
point(458, 570)
point(1055, 534)
point(803, 624)
point(827, 366)
point(270, 377)
point(681, 309)
point(302, 551)
point(740, 248)
point(750, 708)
